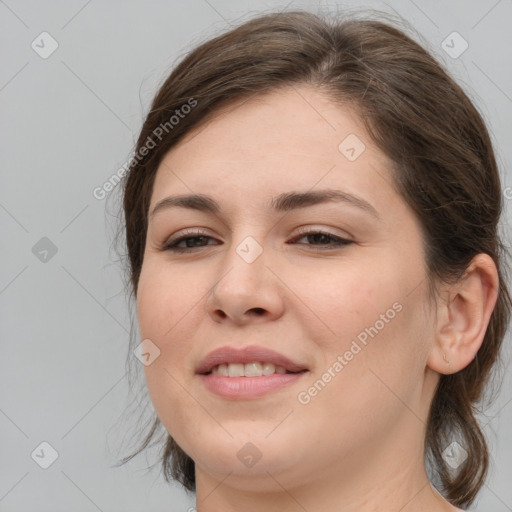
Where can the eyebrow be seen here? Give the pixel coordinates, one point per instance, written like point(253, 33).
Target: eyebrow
point(282, 203)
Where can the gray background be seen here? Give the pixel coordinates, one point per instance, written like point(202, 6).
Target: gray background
point(68, 123)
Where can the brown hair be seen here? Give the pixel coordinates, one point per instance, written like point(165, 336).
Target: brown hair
point(445, 169)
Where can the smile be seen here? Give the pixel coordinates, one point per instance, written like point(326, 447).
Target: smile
point(248, 369)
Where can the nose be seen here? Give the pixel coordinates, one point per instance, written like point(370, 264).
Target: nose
point(245, 291)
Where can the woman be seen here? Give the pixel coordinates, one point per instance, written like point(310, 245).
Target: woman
point(311, 222)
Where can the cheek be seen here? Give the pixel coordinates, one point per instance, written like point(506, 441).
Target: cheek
point(371, 374)
point(349, 300)
point(369, 314)
point(164, 298)
point(163, 305)
point(166, 303)
point(152, 296)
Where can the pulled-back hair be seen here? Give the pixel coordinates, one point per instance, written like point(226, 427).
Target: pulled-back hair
point(444, 168)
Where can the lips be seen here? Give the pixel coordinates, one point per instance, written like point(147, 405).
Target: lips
point(234, 375)
point(251, 354)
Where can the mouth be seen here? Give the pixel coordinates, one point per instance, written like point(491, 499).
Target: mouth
point(247, 373)
point(253, 369)
point(250, 361)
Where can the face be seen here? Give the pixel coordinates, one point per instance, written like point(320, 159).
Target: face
point(331, 289)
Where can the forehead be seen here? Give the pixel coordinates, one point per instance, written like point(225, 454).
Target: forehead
point(294, 117)
point(290, 139)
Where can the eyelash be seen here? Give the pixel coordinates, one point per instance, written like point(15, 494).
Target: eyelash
point(191, 235)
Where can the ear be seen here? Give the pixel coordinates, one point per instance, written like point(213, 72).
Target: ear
point(463, 316)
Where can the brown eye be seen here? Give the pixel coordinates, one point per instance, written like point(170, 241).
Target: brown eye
point(322, 238)
point(190, 240)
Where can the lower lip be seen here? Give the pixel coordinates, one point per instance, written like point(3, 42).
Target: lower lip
point(239, 388)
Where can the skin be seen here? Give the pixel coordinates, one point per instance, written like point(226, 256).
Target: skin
point(358, 444)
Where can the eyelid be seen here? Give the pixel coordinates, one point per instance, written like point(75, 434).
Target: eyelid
point(311, 227)
point(186, 232)
point(340, 241)
point(305, 229)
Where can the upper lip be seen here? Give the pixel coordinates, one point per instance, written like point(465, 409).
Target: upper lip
point(250, 354)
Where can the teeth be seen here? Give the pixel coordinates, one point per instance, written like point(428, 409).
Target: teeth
point(253, 370)
point(268, 369)
point(235, 370)
point(247, 370)
point(222, 369)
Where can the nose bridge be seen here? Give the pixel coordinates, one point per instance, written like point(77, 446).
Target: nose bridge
point(244, 283)
point(244, 266)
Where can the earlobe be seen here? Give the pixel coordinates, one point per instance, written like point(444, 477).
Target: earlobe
point(463, 317)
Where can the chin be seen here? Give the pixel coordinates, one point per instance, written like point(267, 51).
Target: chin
point(249, 459)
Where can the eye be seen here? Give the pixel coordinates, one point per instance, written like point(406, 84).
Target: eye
point(192, 239)
point(322, 239)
